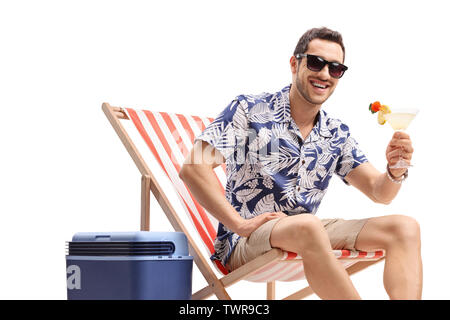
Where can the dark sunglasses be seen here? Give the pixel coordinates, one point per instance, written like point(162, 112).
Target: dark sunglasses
point(316, 63)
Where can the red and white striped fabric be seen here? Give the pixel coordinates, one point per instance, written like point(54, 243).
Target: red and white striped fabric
point(290, 266)
point(170, 138)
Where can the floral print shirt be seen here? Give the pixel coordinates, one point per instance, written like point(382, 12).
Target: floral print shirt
point(270, 166)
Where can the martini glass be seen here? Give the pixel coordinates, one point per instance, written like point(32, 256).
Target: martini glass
point(399, 119)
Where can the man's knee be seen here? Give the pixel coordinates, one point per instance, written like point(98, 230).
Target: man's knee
point(307, 226)
point(305, 231)
point(403, 230)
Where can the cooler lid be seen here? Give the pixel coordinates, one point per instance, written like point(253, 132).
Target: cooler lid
point(138, 242)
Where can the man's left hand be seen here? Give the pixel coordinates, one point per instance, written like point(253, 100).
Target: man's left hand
point(400, 146)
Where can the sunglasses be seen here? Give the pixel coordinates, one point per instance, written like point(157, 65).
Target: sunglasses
point(316, 63)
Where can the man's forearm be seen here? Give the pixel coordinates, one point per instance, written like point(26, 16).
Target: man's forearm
point(384, 189)
point(203, 184)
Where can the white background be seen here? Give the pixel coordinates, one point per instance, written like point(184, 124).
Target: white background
point(64, 170)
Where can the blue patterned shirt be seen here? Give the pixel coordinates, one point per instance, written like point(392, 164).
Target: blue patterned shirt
point(270, 166)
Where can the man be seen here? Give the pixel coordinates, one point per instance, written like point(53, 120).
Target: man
point(281, 150)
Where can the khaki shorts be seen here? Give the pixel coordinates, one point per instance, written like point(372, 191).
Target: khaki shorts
point(342, 234)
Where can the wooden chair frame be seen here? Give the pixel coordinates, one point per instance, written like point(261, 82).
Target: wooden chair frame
point(215, 285)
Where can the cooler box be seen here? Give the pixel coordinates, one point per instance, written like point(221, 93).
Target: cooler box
point(129, 265)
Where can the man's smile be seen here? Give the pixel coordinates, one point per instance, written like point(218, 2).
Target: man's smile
point(319, 86)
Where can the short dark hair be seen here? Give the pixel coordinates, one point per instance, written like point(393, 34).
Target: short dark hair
point(318, 33)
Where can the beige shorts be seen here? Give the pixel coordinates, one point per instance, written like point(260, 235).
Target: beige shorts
point(342, 234)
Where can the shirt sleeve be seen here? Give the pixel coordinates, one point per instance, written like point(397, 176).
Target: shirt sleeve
point(351, 157)
point(226, 131)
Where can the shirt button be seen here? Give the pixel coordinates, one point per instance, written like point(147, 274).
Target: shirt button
point(298, 188)
point(303, 161)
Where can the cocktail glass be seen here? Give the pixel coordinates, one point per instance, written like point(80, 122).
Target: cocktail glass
point(399, 119)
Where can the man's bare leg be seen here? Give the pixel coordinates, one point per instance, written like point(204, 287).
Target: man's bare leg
point(304, 234)
point(399, 236)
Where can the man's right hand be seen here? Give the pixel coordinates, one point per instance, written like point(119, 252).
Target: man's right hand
point(249, 225)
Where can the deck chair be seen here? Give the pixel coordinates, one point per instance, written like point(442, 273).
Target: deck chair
point(169, 138)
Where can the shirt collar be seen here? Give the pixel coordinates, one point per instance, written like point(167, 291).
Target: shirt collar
point(324, 131)
point(282, 107)
point(282, 110)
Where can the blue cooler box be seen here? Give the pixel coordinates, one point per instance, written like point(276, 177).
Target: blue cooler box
point(129, 265)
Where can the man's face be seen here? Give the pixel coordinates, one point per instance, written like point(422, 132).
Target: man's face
point(306, 81)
